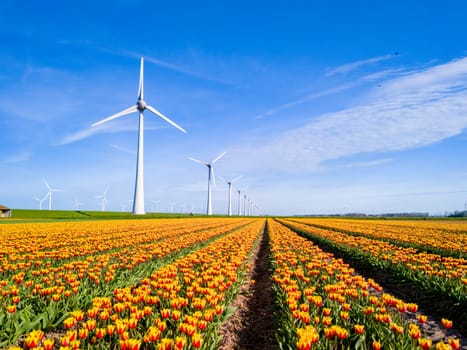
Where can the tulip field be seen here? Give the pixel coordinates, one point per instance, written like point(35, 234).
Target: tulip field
point(171, 283)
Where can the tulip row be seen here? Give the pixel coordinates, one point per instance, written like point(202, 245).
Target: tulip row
point(445, 237)
point(324, 305)
point(445, 276)
point(40, 294)
point(179, 306)
point(24, 245)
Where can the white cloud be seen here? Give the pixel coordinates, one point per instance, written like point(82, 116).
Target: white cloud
point(348, 67)
point(122, 149)
point(79, 135)
point(370, 163)
point(381, 75)
point(18, 158)
point(307, 98)
point(410, 111)
point(164, 64)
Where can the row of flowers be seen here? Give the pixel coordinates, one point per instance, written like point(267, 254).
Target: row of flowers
point(179, 306)
point(324, 304)
point(450, 238)
point(40, 295)
point(37, 244)
point(444, 275)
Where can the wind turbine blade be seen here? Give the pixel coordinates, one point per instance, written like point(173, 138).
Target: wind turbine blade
point(213, 176)
point(198, 161)
point(223, 179)
point(46, 184)
point(141, 81)
point(116, 115)
point(219, 157)
point(237, 178)
point(156, 112)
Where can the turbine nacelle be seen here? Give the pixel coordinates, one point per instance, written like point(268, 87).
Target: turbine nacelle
point(141, 105)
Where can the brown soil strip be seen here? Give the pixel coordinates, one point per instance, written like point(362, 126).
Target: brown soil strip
point(252, 325)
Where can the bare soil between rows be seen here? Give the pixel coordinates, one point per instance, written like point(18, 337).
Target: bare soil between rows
point(252, 325)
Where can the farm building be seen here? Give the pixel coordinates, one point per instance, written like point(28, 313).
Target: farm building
point(4, 212)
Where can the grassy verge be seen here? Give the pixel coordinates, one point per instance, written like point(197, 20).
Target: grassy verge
point(30, 215)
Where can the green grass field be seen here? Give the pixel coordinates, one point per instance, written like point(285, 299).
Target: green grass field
point(30, 215)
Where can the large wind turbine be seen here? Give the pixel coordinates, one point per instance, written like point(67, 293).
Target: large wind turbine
point(211, 177)
point(141, 106)
point(49, 194)
point(230, 182)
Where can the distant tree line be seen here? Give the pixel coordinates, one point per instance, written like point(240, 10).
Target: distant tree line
point(458, 214)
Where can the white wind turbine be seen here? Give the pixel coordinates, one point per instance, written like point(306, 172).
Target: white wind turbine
point(211, 177)
point(141, 106)
point(49, 194)
point(230, 191)
point(103, 198)
point(77, 204)
point(156, 203)
point(239, 201)
point(41, 201)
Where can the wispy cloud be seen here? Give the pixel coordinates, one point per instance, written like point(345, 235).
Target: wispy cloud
point(122, 149)
point(348, 67)
point(40, 100)
point(17, 158)
point(407, 112)
point(380, 75)
point(370, 163)
point(384, 74)
point(306, 98)
point(91, 131)
point(110, 127)
point(164, 64)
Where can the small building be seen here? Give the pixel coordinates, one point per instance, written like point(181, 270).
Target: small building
point(4, 212)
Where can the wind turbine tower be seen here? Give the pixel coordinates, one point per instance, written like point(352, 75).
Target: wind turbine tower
point(49, 194)
point(244, 204)
point(230, 192)
point(103, 198)
point(211, 177)
point(239, 201)
point(77, 204)
point(41, 201)
point(156, 203)
point(140, 106)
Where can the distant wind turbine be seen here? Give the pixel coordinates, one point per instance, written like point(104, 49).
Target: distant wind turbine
point(244, 205)
point(103, 198)
point(230, 182)
point(239, 201)
point(41, 201)
point(141, 106)
point(211, 177)
point(49, 194)
point(77, 204)
point(156, 203)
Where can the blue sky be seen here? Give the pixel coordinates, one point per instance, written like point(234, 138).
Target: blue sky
point(322, 107)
